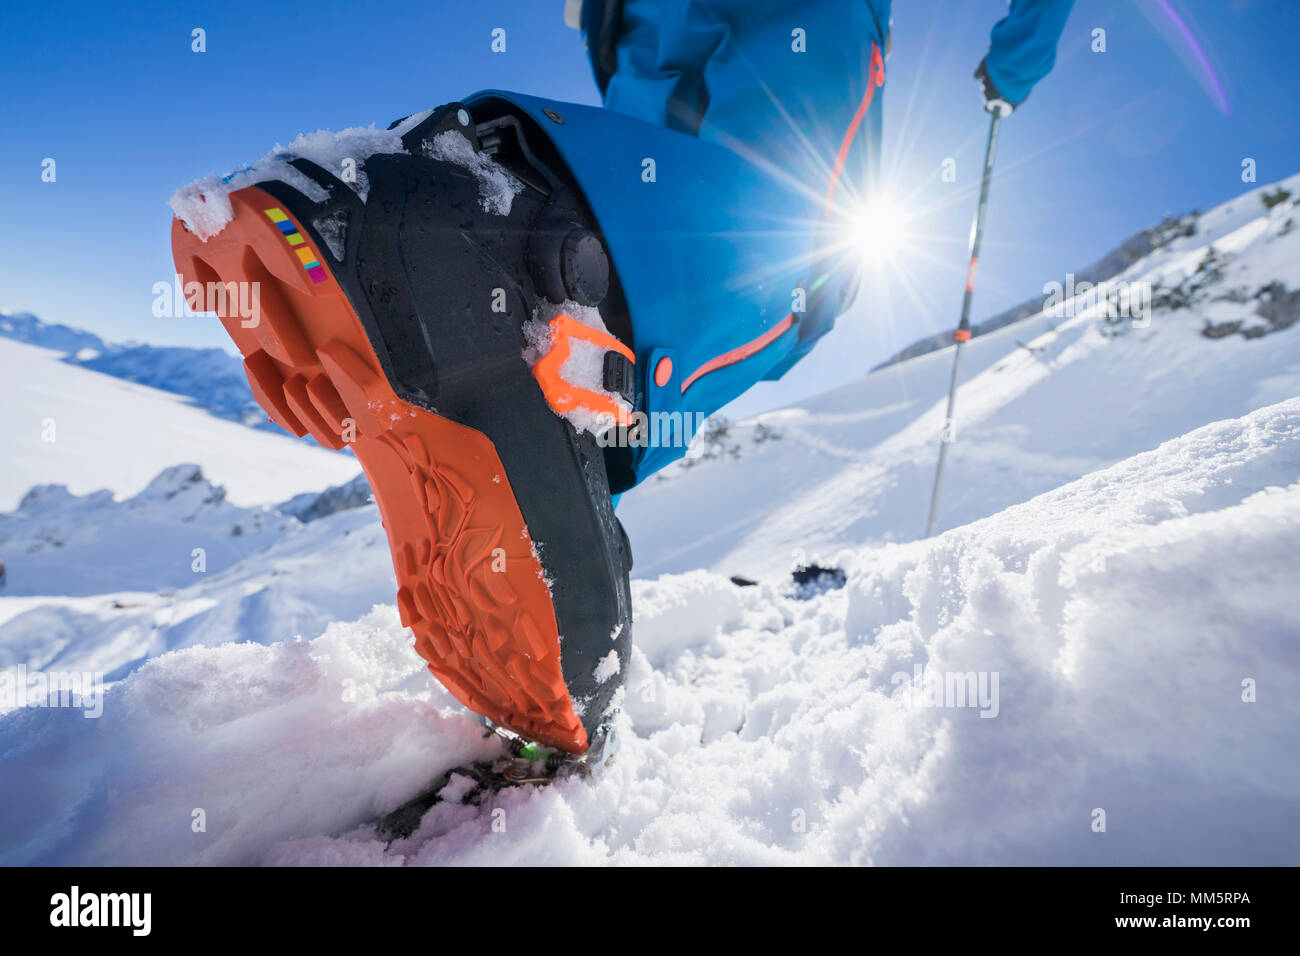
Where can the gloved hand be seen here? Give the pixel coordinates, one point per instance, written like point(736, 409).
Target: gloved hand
point(994, 102)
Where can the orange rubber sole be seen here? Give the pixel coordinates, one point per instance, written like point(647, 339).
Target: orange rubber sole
point(470, 586)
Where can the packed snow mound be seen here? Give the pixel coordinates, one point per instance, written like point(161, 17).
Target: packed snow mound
point(1042, 402)
point(351, 721)
point(1119, 649)
point(680, 612)
point(87, 430)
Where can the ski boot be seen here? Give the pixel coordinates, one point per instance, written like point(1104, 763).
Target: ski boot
point(397, 298)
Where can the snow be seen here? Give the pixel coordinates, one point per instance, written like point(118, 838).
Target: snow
point(109, 433)
point(211, 378)
point(204, 205)
point(179, 513)
point(789, 733)
point(857, 464)
point(121, 585)
point(607, 667)
point(1107, 626)
point(585, 366)
point(308, 706)
point(497, 188)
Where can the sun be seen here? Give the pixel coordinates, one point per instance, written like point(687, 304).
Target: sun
point(877, 230)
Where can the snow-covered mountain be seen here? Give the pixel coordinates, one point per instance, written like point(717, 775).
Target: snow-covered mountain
point(60, 543)
point(212, 379)
point(78, 427)
point(25, 327)
point(275, 579)
point(1108, 626)
point(1044, 401)
point(1104, 269)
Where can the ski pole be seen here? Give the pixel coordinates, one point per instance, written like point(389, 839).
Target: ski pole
point(962, 335)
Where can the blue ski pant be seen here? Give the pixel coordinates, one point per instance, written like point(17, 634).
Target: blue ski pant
point(738, 140)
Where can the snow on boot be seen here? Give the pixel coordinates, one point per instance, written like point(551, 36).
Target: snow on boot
point(428, 295)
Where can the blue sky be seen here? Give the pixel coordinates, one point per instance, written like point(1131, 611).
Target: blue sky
point(1105, 146)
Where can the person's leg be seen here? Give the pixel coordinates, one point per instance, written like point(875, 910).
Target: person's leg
point(783, 78)
point(781, 100)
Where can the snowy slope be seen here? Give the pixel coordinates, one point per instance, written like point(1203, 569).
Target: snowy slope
point(856, 465)
point(1120, 616)
point(333, 569)
point(212, 379)
point(108, 433)
point(1125, 513)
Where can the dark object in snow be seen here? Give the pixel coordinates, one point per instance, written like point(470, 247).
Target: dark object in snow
point(1220, 330)
point(1274, 198)
point(3, 576)
point(812, 580)
point(524, 764)
point(1278, 306)
point(742, 582)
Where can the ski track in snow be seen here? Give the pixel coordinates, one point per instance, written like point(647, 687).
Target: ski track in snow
point(1120, 566)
